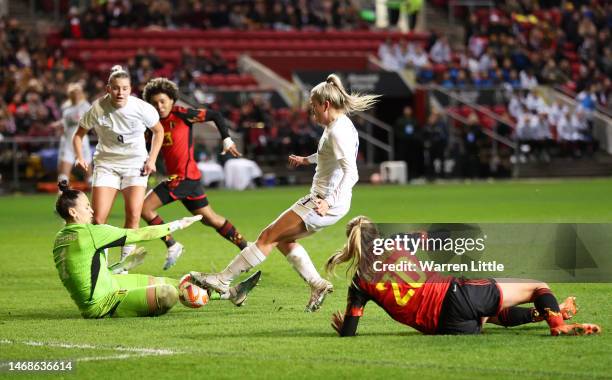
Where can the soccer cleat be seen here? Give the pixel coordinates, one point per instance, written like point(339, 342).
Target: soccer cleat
point(568, 309)
point(209, 281)
point(174, 252)
point(576, 329)
point(239, 293)
point(317, 295)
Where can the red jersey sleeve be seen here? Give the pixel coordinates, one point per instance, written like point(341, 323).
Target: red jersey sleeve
point(190, 115)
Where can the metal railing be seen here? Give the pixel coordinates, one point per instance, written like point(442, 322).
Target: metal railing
point(455, 99)
point(571, 94)
point(496, 138)
point(368, 137)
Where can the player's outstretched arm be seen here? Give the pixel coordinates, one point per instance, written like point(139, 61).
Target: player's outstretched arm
point(183, 223)
point(156, 232)
point(228, 144)
point(109, 236)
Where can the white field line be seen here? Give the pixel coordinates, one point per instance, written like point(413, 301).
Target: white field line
point(131, 352)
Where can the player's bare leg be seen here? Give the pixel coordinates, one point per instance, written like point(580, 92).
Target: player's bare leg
point(102, 199)
point(133, 197)
point(283, 232)
point(287, 227)
point(516, 292)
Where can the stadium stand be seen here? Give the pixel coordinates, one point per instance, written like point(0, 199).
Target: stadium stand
point(510, 48)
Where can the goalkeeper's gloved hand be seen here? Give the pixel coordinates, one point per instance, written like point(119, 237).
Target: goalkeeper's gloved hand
point(181, 224)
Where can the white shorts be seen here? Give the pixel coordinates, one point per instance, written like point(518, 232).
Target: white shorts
point(314, 222)
point(66, 151)
point(118, 178)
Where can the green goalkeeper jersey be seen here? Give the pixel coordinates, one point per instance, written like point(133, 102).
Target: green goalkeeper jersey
point(80, 260)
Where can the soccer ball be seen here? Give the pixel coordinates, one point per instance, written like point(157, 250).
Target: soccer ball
point(190, 294)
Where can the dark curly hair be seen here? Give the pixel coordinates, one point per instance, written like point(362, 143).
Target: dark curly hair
point(160, 86)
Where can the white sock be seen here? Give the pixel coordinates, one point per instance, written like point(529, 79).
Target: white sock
point(301, 262)
point(245, 260)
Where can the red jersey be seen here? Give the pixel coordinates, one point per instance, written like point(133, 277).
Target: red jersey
point(177, 148)
point(413, 298)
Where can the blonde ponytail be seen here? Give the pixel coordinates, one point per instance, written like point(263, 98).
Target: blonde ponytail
point(333, 90)
point(358, 232)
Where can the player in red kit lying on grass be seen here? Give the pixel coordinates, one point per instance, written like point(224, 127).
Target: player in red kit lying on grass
point(184, 176)
point(438, 304)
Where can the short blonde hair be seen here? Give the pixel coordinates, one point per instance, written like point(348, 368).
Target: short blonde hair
point(333, 91)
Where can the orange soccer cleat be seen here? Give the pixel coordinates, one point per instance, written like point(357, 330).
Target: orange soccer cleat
point(576, 329)
point(568, 309)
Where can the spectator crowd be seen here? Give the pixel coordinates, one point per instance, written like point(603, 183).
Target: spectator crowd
point(519, 44)
point(34, 78)
point(96, 20)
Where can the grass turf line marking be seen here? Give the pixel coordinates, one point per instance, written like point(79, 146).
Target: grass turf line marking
point(138, 352)
point(134, 352)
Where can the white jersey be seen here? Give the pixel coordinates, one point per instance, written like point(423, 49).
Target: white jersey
point(120, 131)
point(71, 114)
point(336, 172)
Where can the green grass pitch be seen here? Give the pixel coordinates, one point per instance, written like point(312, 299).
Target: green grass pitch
point(271, 336)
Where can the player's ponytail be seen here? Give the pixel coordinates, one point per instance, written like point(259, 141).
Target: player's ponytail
point(66, 200)
point(117, 72)
point(333, 91)
point(360, 232)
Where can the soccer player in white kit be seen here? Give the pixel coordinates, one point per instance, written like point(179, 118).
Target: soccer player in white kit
point(329, 199)
point(121, 161)
point(72, 111)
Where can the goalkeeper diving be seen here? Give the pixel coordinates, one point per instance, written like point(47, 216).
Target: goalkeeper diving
point(80, 257)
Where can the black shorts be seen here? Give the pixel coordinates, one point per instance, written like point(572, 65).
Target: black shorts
point(188, 191)
point(466, 303)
